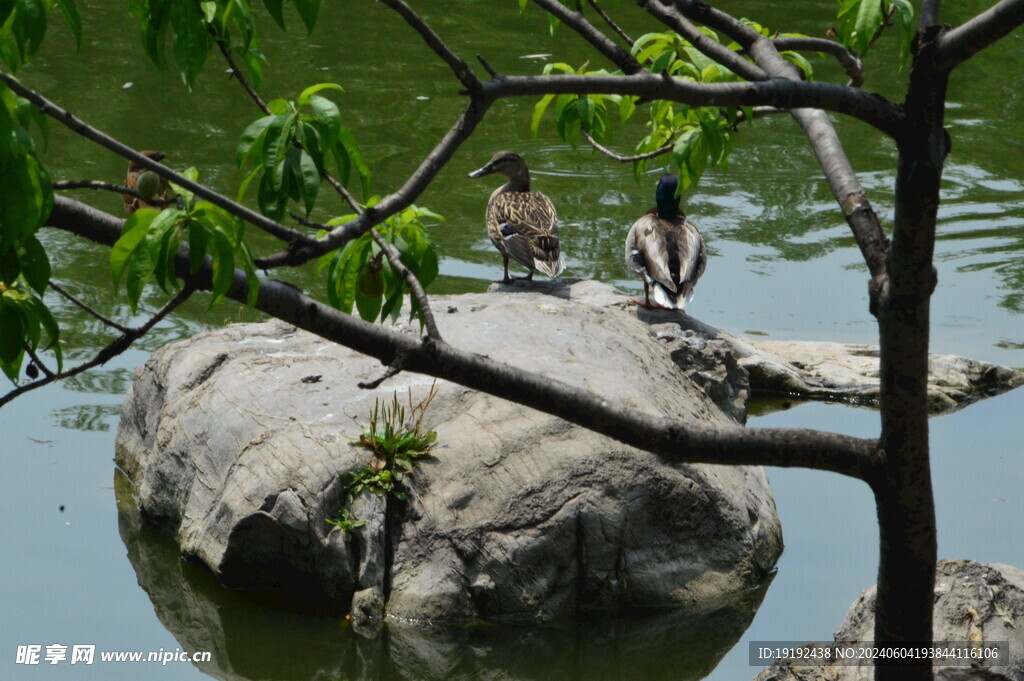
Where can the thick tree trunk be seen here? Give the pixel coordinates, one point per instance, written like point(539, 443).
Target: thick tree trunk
point(906, 506)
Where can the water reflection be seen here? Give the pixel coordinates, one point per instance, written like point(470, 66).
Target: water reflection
point(258, 638)
point(88, 417)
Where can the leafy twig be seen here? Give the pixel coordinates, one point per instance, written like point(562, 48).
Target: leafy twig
point(105, 354)
point(90, 133)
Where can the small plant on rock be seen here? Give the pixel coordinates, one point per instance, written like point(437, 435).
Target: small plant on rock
point(398, 441)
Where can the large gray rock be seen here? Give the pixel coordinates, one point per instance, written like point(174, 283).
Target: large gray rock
point(975, 603)
point(736, 367)
point(237, 440)
point(250, 640)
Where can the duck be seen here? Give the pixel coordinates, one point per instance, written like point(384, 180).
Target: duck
point(666, 249)
point(155, 189)
point(522, 224)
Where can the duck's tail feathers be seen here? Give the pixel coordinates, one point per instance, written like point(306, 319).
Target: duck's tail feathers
point(676, 301)
point(551, 268)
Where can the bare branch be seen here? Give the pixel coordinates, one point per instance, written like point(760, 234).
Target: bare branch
point(846, 188)
point(94, 184)
point(107, 353)
point(345, 194)
point(853, 66)
point(611, 22)
point(237, 72)
point(462, 71)
point(397, 364)
point(626, 159)
point(966, 40)
point(98, 185)
point(487, 67)
point(670, 439)
point(286, 234)
point(109, 322)
point(602, 43)
point(706, 45)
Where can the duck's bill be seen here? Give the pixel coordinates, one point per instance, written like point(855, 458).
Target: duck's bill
point(480, 172)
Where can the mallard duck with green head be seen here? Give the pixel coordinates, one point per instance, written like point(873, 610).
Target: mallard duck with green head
point(666, 250)
point(522, 224)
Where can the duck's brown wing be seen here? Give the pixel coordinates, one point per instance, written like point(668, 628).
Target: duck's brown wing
point(524, 226)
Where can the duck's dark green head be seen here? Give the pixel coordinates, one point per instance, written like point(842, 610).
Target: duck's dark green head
point(665, 195)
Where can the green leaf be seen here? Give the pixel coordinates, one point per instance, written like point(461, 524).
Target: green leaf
point(368, 306)
point(869, 18)
point(801, 62)
point(304, 97)
point(663, 61)
point(308, 10)
point(274, 8)
point(538, 111)
point(140, 269)
point(74, 20)
point(34, 263)
point(356, 156)
point(905, 18)
point(132, 235)
point(197, 241)
point(12, 333)
point(277, 139)
point(52, 330)
point(191, 41)
point(244, 186)
point(328, 115)
point(310, 180)
point(585, 108)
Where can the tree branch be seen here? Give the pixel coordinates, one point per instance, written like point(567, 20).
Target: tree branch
point(283, 233)
point(626, 159)
point(611, 22)
point(846, 188)
point(392, 203)
point(75, 301)
point(112, 350)
point(779, 92)
point(602, 43)
point(966, 40)
point(842, 180)
point(462, 71)
point(669, 439)
point(759, 112)
point(710, 48)
point(237, 72)
point(394, 257)
point(38, 362)
point(853, 66)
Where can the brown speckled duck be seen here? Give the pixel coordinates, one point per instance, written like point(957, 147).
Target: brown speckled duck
point(666, 250)
point(521, 224)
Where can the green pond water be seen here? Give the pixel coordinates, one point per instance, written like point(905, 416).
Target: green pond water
point(79, 569)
